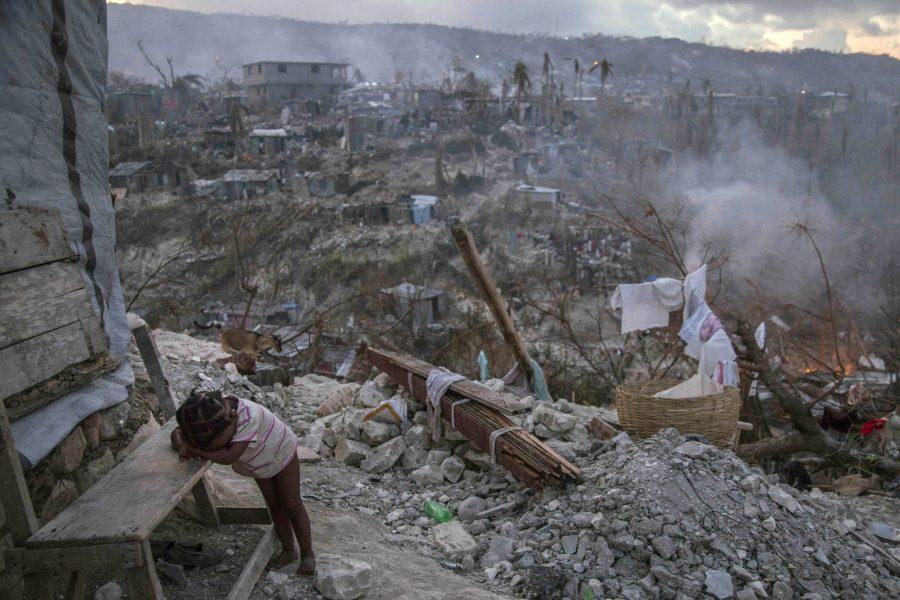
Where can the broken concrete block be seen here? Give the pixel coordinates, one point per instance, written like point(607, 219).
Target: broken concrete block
point(553, 420)
point(784, 499)
point(453, 540)
point(436, 457)
point(369, 396)
point(414, 457)
point(501, 549)
point(428, 475)
point(341, 578)
point(477, 459)
point(375, 432)
point(384, 456)
point(351, 452)
point(452, 468)
point(418, 436)
point(69, 453)
point(718, 584)
point(693, 449)
point(338, 400)
point(469, 508)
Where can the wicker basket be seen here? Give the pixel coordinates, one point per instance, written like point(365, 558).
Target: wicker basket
point(643, 415)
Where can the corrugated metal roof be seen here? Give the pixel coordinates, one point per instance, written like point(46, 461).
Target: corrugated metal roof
point(248, 175)
point(128, 168)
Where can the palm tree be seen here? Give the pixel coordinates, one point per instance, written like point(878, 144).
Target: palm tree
point(547, 71)
point(523, 84)
point(605, 71)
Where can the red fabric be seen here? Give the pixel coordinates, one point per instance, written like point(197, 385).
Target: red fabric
point(871, 426)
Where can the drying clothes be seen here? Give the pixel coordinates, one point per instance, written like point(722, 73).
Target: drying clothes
point(670, 292)
point(726, 374)
point(690, 330)
point(716, 349)
point(694, 291)
point(641, 307)
point(439, 381)
point(760, 336)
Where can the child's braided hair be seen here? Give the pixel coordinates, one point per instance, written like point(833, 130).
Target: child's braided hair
point(203, 416)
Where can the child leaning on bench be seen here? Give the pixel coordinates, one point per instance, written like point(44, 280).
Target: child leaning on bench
point(231, 431)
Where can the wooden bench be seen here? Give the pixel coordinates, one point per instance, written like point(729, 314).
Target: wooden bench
point(109, 526)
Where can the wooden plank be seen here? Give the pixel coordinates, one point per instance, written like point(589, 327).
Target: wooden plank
point(491, 296)
point(71, 378)
point(129, 501)
point(144, 581)
point(155, 370)
point(77, 586)
point(31, 237)
point(255, 566)
point(506, 403)
point(243, 515)
point(20, 518)
point(103, 556)
point(39, 358)
point(205, 507)
point(41, 299)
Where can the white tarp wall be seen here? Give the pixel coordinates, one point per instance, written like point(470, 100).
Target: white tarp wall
point(53, 154)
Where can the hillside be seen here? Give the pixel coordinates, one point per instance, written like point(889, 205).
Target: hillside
point(196, 40)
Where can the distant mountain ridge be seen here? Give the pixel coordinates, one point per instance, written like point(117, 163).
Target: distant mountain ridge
point(195, 41)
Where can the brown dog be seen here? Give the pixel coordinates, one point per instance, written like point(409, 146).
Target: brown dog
point(253, 343)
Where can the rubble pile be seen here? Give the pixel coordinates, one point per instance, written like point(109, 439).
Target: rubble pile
point(667, 517)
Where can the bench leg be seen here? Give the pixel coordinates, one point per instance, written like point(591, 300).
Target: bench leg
point(144, 581)
point(77, 585)
point(205, 508)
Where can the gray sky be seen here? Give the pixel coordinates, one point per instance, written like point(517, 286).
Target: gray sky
point(850, 25)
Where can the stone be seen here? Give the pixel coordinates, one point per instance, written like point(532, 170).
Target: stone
point(94, 470)
point(784, 499)
point(745, 594)
point(569, 543)
point(769, 523)
point(63, 494)
point(500, 549)
point(112, 420)
point(436, 457)
point(646, 527)
point(469, 508)
point(553, 420)
point(351, 452)
point(452, 468)
point(108, 591)
point(90, 427)
point(281, 582)
point(545, 581)
point(718, 584)
point(664, 546)
point(759, 588)
point(338, 400)
point(68, 453)
point(477, 459)
point(582, 520)
point(453, 540)
point(418, 436)
point(781, 591)
point(341, 578)
point(376, 432)
point(305, 455)
point(428, 475)
point(384, 456)
point(413, 457)
point(693, 449)
point(369, 396)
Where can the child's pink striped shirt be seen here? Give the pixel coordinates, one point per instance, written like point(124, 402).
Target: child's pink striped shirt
point(272, 443)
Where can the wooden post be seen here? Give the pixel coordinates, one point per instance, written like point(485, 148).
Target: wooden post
point(151, 358)
point(488, 289)
point(255, 566)
point(20, 516)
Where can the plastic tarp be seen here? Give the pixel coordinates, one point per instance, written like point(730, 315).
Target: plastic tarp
point(53, 154)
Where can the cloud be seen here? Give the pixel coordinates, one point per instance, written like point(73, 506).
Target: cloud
point(737, 23)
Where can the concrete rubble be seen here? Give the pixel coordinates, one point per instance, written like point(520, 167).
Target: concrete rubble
point(666, 517)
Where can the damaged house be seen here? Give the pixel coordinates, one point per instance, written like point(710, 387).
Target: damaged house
point(268, 142)
point(249, 183)
point(135, 177)
point(419, 306)
point(270, 83)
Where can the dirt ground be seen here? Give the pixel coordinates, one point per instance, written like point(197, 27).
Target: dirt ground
point(401, 570)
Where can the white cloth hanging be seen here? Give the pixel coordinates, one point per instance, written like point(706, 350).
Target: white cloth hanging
point(641, 307)
point(694, 291)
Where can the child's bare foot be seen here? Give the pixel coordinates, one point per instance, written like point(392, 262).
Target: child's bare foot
point(307, 565)
point(284, 559)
